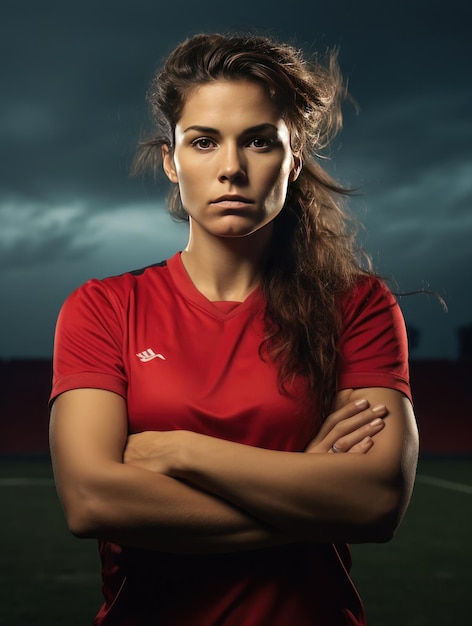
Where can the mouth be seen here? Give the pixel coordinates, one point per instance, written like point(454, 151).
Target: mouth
point(230, 201)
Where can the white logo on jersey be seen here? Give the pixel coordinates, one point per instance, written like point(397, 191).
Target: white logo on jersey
point(149, 355)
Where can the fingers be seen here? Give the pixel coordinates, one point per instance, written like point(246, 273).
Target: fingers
point(360, 448)
point(349, 410)
point(350, 418)
point(350, 428)
point(359, 439)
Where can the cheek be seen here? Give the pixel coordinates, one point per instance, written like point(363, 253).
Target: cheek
point(193, 191)
point(190, 170)
point(281, 171)
point(187, 180)
point(278, 182)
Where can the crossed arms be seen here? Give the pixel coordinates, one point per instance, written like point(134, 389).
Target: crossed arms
point(180, 491)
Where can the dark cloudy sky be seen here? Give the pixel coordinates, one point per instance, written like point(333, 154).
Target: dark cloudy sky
point(72, 107)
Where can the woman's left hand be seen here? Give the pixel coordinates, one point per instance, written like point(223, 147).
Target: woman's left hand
point(349, 429)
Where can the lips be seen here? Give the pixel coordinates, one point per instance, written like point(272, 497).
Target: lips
point(230, 201)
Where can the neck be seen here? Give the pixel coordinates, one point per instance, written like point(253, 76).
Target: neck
point(226, 268)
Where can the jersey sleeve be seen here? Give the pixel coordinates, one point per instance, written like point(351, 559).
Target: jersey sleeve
point(373, 343)
point(88, 342)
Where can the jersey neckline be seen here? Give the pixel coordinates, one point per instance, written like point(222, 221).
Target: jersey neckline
point(219, 309)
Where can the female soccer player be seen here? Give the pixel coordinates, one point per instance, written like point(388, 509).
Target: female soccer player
point(227, 421)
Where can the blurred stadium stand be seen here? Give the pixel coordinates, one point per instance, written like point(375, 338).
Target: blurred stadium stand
point(442, 392)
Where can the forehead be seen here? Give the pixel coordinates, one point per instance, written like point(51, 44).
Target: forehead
point(226, 100)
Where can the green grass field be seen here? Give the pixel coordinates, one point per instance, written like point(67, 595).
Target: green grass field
point(421, 578)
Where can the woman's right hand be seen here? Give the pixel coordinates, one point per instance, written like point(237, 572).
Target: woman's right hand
point(349, 429)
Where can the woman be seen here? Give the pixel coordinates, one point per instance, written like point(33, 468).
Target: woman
point(227, 421)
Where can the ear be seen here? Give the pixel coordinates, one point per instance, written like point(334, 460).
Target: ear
point(296, 168)
point(168, 164)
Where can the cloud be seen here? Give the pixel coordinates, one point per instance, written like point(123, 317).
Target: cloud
point(411, 160)
point(74, 78)
point(35, 235)
point(61, 249)
point(398, 136)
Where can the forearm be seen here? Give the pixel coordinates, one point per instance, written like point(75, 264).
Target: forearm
point(135, 507)
point(317, 497)
point(105, 498)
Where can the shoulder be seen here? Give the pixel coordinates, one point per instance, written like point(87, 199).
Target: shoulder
point(373, 342)
point(92, 329)
point(370, 304)
point(368, 298)
point(123, 283)
point(116, 291)
point(367, 290)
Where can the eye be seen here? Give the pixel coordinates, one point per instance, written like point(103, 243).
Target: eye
point(203, 143)
point(261, 143)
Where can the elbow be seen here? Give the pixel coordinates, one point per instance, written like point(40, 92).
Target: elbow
point(82, 529)
point(383, 506)
point(383, 530)
point(81, 524)
point(385, 517)
point(84, 517)
point(88, 504)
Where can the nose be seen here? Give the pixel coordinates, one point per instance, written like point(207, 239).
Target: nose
point(232, 165)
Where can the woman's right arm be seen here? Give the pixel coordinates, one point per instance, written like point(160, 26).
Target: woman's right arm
point(104, 498)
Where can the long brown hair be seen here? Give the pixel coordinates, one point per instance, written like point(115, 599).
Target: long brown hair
point(314, 258)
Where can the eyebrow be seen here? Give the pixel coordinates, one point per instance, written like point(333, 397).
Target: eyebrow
point(214, 131)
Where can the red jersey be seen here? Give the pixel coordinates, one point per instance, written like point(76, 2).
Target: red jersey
point(183, 362)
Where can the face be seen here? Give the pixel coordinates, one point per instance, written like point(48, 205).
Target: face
point(232, 159)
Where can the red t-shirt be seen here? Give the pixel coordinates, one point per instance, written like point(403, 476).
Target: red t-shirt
point(183, 362)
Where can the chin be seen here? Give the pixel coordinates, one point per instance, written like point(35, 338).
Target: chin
point(241, 229)
point(240, 233)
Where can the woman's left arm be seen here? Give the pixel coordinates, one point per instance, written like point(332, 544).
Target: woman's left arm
point(314, 495)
